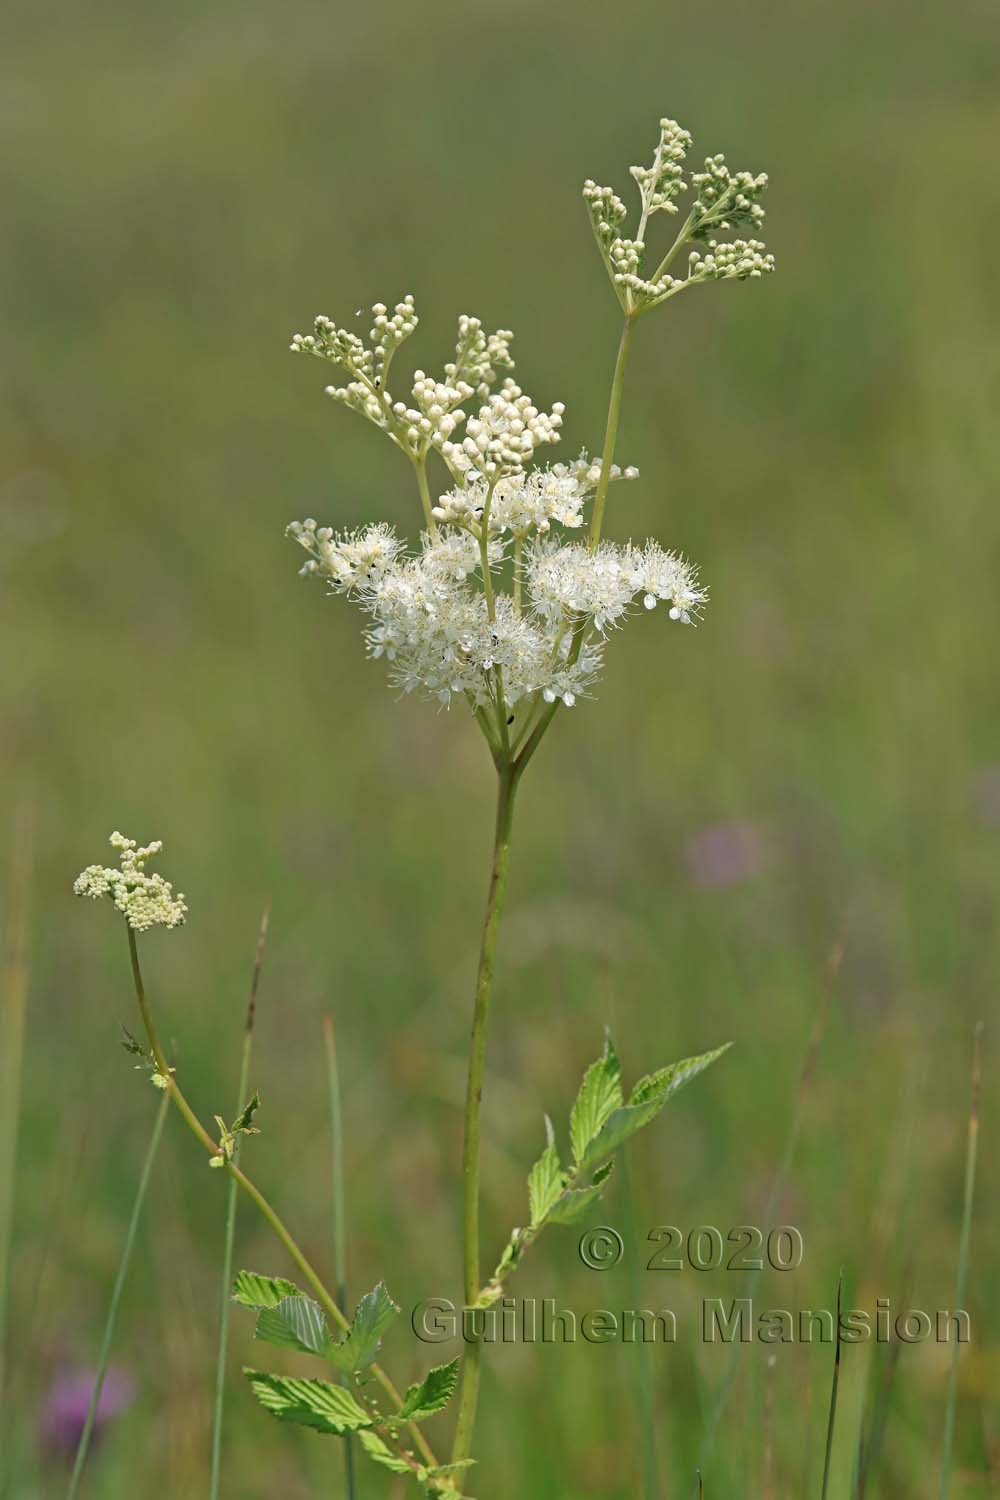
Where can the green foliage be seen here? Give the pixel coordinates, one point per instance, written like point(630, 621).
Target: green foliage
point(382, 1454)
point(291, 1320)
point(431, 1394)
point(600, 1094)
point(374, 1313)
point(294, 1323)
point(309, 1403)
point(600, 1122)
point(229, 1135)
point(545, 1182)
point(250, 1289)
point(147, 1062)
point(647, 1099)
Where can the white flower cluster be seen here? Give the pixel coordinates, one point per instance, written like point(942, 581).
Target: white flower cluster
point(444, 632)
point(522, 503)
point(144, 900)
point(662, 184)
point(603, 584)
point(732, 258)
point(500, 436)
point(505, 434)
point(726, 200)
point(723, 201)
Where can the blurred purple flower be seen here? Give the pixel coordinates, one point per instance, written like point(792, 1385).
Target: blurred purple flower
point(65, 1409)
point(725, 854)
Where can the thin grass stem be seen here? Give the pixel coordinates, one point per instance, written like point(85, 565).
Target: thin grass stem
point(339, 1211)
point(971, 1151)
point(116, 1296)
point(833, 966)
point(13, 1001)
point(230, 1230)
point(641, 1364)
point(831, 1422)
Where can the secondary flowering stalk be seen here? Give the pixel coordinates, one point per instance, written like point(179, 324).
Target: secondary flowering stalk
point(323, 1295)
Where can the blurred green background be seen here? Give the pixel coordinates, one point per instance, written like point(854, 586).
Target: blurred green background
point(185, 186)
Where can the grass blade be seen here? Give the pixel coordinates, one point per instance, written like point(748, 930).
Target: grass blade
point(642, 1360)
point(872, 1448)
point(13, 1005)
point(963, 1257)
point(230, 1234)
point(834, 962)
point(116, 1295)
point(832, 1419)
point(339, 1210)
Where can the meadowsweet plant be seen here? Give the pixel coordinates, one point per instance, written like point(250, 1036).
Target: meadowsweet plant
point(502, 608)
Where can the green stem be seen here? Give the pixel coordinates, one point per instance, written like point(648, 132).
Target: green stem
point(963, 1258)
point(13, 1007)
point(116, 1296)
point(611, 431)
point(339, 1211)
point(420, 468)
point(506, 789)
point(230, 1231)
point(536, 736)
point(312, 1276)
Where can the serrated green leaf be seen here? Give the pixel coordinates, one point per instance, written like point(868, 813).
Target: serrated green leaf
point(575, 1204)
point(666, 1081)
point(645, 1102)
point(430, 1394)
point(600, 1094)
point(250, 1289)
point(382, 1454)
point(374, 1313)
point(309, 1403)
point(545, 1183)
point(294, 1323)
point(617, 1129)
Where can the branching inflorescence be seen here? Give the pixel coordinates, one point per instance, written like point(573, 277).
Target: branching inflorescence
point(506, 602)
point(441, 616)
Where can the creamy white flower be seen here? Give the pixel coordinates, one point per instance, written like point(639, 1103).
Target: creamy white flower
point(660, 575)
point(349, 560)
point(144, 900)
point(572, 580)
point(455, 554)
point(505, 433)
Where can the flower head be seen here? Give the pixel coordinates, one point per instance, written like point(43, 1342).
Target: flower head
point(144, 900)
point(723, 201)
point(67, 1401)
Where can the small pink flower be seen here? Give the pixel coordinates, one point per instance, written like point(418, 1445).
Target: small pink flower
point(65, 1410)
point(725, 854)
